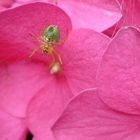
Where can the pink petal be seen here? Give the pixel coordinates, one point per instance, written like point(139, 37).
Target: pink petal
point(131, 17)
point(44, 134)
point(47, 105)
point(20, 81)
point(118, 78)
point(29, 1)
point(6, 3)
point(11, 127)
point(88, 118)
point(98, 14)
point(131, 10)
point(80, 54)
point(24, 1)
point(17, 24)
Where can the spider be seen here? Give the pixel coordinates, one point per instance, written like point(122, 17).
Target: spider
point(49, 38)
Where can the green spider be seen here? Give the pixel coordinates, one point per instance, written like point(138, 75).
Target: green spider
point(49, 38)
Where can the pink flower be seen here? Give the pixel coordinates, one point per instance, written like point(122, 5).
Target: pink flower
point(28, 89)
point(98, 14)
point(111, 112)
point(131, 17)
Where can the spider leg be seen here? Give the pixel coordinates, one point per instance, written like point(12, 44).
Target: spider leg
point(53, 60)
point(34, 37)
point(62, 42)
point(59, 57)
point(34, 51)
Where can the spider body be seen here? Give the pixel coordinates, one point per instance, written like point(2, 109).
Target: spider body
point(51, 35)
point(46, 48)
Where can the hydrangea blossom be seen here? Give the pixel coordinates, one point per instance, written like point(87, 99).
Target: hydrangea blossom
point(28, 89)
